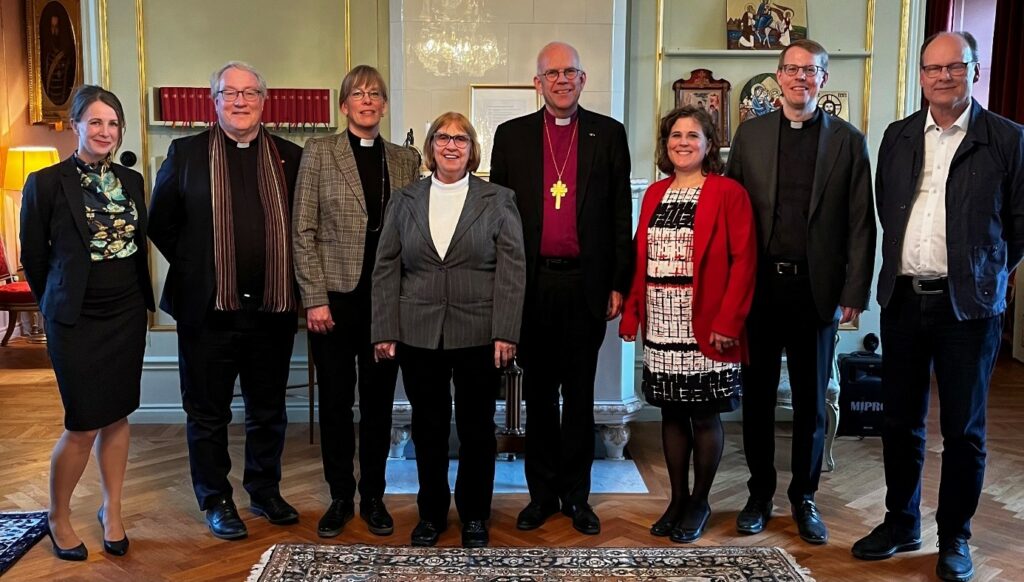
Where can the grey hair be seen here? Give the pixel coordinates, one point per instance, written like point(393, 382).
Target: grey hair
point(241, 66)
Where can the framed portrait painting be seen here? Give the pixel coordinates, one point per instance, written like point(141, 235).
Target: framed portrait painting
point(54, 30)
point(704, 91)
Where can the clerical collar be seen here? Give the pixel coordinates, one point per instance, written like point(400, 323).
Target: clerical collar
point(356, 140)
point(806, 123)
point(560, 121)
point(240, 144)
point(367, 143)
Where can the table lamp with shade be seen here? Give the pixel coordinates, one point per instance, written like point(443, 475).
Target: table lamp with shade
point(21, 161)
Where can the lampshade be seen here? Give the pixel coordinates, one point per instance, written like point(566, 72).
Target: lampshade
point(23, 160)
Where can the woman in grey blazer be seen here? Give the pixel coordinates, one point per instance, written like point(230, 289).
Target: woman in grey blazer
point(448, 291)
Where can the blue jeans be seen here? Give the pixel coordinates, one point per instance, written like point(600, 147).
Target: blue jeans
point(920, 333)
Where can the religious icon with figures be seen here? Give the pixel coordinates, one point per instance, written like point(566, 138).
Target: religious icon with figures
point(765, 24)
point(762, 94)
point(835, 103)
point(704, 91)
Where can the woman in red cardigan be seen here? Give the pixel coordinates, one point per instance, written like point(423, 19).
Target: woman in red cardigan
point(691, 291)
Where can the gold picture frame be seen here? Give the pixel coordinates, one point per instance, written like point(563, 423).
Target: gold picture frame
point(54, 32)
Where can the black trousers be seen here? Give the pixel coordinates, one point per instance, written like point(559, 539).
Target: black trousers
point(255, 348)
point(920, 333)
point(337, 356)
point(428, 376)
point(783, 317)
point(561, 340)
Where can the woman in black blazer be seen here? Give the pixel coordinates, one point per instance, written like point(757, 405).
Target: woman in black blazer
point(83, 238)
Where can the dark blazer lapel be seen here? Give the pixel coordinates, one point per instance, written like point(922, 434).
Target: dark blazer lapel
point(829, 144)
point(535, 148)
point(475, 204)
point(346, 162)
point(587, 140)
point(913, 134)
point(977, 133)
point(419, 207)
point(770, 161)
point(71, 184)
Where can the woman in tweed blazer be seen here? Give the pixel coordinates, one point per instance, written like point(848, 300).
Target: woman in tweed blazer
point(448, 294)
point(345, 182)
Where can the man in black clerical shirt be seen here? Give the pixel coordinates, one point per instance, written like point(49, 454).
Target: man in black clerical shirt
point(345, 182)
point(810, 186)
point(220, 215)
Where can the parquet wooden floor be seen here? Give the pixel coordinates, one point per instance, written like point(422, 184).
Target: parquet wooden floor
point(170, 541)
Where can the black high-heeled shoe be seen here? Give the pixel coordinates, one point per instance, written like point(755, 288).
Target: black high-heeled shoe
point(663, 526)
point(118, 548)
point(76, 554)
point(691, 526)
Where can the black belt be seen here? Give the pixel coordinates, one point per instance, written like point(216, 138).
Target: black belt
point(560, 264)
point(787, 268)
point(925, 285)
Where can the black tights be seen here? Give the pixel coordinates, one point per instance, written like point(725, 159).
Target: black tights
point(681, 434)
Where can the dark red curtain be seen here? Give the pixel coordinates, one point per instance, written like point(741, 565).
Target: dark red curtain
point(938, 16)
point(1006, 84)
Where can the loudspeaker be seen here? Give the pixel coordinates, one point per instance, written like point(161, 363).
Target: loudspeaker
point(860, 394)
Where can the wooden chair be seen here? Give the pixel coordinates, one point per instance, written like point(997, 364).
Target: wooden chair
point(15, 295)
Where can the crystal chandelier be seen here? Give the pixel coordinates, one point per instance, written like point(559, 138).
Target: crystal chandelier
point(451, 42)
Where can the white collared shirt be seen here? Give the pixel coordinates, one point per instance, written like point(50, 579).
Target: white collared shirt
point(924, 243)
point(445, 208)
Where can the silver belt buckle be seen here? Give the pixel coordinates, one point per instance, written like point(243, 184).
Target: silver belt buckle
point(916, 283)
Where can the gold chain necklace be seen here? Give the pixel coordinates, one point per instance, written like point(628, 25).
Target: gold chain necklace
point(559, 189)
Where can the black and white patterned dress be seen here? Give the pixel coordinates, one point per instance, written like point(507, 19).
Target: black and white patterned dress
point(676, 373)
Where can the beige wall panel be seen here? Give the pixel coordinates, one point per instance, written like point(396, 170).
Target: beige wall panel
point(593, 41)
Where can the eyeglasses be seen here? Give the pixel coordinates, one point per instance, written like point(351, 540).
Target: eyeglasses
point(570, 74)
point(359, 94)
point(443, 139)
point(954, 69)
point(809, 70)
point(230, 95)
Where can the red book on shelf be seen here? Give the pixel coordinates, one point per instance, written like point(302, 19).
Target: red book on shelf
point(268, 108)
point(279, 107)
point(325, 106)
point(311, 105)
point(300, 106)
point(175, 115)
point(210, 107)
point(195, 110)
point(165, 103)
point(293, 106)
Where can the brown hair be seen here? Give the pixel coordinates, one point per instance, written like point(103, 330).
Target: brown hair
point(712, 163)
point(362, 76)
point(810, 46)
point(86, 95)
point(441, 121)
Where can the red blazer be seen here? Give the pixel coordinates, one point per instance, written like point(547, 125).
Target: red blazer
point(725, 265)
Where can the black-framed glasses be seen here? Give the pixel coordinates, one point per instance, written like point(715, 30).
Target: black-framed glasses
point(809, 70)
point(461, 141)
point(230, 95)
point(359, 94)
point(570, 74)
point(954, 69)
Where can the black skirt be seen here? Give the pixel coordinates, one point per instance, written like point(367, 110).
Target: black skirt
point(98, 359)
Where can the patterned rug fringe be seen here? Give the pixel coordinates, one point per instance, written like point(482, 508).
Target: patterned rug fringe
point(19, 531)
point(371, 563)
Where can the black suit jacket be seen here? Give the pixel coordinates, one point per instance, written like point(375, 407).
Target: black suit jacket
point(841, 218)
point(984, 207)
point(55, 238)
point(604, 204)
point(181, 222)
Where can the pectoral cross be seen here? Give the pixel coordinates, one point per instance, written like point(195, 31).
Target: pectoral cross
point(558, 190)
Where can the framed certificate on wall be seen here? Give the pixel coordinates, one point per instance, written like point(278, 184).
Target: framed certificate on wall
point(492, 105)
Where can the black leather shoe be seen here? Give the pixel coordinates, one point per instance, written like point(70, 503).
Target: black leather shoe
point(474, 534)
point(275, 509)
point(691, 527)
point(76, 554)
point(583, 518)
point(665, 523)
point(754, 516)
point(426, 533)
point(808, 521)
point(376, 516)
point(118, 548)
point(222, 517)
point(535, 514)
point(883, 542)
point(340, 512)
point(955, 563)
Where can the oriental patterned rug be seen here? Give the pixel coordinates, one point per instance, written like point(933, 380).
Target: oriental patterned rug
point(18, 533)
point(322, 563)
